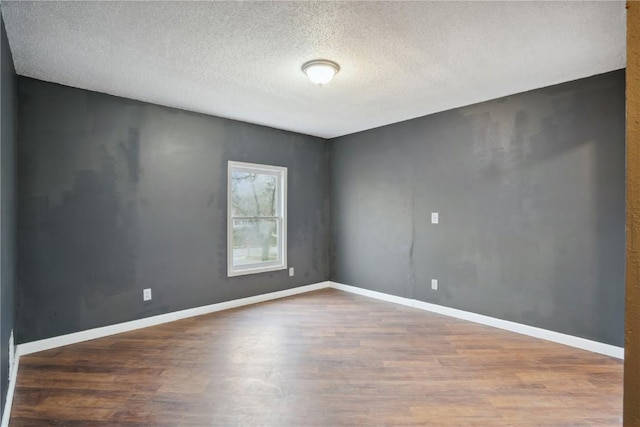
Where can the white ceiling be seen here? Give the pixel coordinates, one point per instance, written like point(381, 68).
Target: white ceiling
point(241, 60)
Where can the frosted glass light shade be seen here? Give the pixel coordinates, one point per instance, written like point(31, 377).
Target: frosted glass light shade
point(320, 71)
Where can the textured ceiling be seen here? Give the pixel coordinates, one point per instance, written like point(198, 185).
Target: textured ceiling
point(242, 60)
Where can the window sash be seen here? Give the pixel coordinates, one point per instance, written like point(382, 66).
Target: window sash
point(249, 218)
point(259, 264)
point(280, 263)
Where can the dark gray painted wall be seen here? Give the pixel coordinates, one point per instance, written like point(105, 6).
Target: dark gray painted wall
point(530, 191)
point(8, 123)
point(119, 195)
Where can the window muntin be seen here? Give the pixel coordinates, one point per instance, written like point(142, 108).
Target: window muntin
point(256, 218)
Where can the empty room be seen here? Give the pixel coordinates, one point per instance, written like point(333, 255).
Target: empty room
point(320, 213)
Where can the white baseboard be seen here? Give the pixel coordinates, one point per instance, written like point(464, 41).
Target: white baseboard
point(90, 334)
point(557, 337)
point(374, 294)
point(6, 414)
point(59, 341)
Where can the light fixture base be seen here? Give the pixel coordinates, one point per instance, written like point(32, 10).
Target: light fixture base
point(320, 71)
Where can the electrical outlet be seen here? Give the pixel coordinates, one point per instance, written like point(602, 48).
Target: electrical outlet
point(434, 217)
point(146, 294)
point(291, 271)
point(434, 284)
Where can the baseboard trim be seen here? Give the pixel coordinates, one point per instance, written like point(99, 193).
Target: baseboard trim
point(557, 337)
point(90, 334)
point(6, 414)
point(63, 340)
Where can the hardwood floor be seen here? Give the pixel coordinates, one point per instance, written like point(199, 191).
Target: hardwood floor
point(325, 358)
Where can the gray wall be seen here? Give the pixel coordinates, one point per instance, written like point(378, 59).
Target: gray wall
point(8, 135)
point(118, 195)
point(530, 191)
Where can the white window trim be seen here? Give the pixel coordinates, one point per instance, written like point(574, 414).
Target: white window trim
point(282, 264)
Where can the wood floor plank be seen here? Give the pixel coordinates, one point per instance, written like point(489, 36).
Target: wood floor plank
point(325, 358)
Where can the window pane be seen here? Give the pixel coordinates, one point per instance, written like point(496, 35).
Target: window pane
point(255, 241)
point(253, 194)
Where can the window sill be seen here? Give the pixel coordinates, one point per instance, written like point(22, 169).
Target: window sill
point(245, 271)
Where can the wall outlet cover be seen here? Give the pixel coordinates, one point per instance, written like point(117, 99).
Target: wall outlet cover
point(146, 294)
point(434, 284)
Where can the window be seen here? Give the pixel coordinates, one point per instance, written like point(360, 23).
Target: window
point(256, 218)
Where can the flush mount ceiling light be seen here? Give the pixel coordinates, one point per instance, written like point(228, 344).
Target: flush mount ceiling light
point(320, 71)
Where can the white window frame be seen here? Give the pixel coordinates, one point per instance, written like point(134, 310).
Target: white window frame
point(281, 218)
